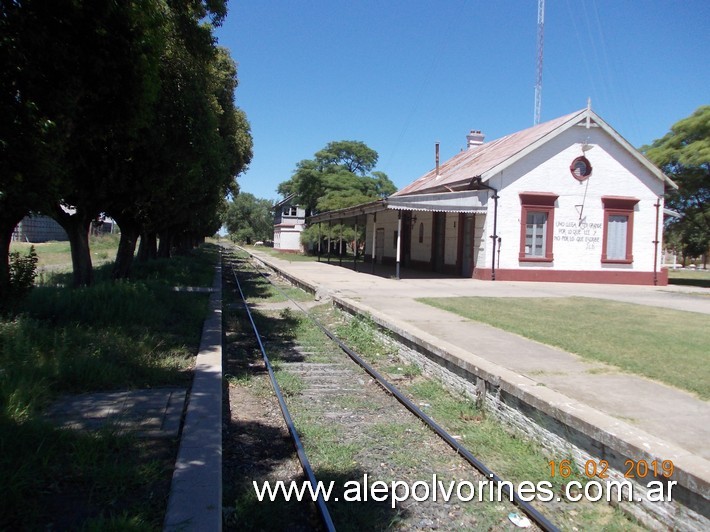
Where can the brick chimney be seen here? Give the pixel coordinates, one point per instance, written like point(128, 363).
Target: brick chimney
point(474, 139)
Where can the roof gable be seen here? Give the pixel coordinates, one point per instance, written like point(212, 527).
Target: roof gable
point(492, 157)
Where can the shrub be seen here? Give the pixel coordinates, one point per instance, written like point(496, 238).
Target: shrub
point(23, 270)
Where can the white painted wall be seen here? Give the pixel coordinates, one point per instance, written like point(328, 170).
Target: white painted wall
point(577, 243)
point(287, 238)
point(386, 220)
point(422, 252)
point(451, 238)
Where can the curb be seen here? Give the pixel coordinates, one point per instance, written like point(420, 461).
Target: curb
point(195, 501)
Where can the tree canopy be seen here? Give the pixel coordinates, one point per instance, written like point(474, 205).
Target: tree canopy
point(684, 155)
point(118, 108)
point(340, 175)
point(249, 219)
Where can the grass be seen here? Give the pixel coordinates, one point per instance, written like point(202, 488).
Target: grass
point(666, 345)
point(689, 277)
point(513, 458)
point(112, 335)
point(58, 254)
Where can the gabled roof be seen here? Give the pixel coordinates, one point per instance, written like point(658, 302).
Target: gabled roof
point(490, 158)
point(287, 200)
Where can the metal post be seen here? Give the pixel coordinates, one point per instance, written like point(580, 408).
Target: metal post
point(374, 241)
point(328, 241)
point(319, 241)
point(355, 259)
point(399, 240)
point(340, 246)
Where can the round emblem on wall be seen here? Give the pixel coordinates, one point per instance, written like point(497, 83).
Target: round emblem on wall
point(580, 168)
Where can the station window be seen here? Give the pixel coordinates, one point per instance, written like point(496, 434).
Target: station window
point(537, 219)
point(617, 247)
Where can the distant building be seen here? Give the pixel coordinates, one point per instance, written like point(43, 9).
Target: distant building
point(289, 222)
point(40, 228)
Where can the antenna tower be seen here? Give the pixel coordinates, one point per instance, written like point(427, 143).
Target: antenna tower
point(540, 42)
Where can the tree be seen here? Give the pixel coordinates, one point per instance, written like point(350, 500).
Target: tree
point(249, 218)
point(684, 155)
point(337, 178)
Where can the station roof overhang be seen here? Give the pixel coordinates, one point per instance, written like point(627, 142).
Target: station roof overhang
point(464, 201)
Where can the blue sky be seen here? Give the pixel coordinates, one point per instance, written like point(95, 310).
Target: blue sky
point(402, 75)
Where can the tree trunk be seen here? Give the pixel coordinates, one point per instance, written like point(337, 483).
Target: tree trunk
point(5, 239)
point(165, 244)
point(148, 248)
point(126, 249)
point(77, 226)
point(7, 225)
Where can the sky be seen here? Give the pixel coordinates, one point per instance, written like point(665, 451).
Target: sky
point(402, 75)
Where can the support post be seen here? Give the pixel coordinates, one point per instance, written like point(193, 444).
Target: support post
point(328, 241)
point(399, 241)
point(355, 258)
point(374, 240)
point(319, 241)
point(340, 246)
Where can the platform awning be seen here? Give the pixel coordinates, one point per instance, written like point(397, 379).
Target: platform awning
point(464, 201)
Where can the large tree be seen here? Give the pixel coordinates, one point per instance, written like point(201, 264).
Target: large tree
point(249, 218)
point(684, 155)
point(338, 177)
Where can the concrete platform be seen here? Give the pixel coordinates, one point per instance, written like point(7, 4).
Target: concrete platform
point(155, 412)
point(623, 413)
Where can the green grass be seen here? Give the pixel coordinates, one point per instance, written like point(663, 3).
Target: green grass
point(290, 257)
point(689, 277)
point(58, 254)
point(670, 346)
point(512, 457)
point(112, 335)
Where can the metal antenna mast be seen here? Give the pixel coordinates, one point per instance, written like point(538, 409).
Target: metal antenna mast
point(540, 42)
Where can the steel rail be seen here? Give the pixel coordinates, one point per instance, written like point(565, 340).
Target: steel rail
point(527, 508)
point(305, 464)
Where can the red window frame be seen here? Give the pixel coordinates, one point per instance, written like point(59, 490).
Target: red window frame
point(537, 202)
point(619, 206)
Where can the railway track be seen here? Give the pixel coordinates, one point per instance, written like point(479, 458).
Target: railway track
point(358, 426)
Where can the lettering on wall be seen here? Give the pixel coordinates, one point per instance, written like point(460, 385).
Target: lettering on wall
point(588, 235)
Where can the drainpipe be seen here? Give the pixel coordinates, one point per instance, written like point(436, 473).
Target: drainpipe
point(477, 181)
point(655, 243)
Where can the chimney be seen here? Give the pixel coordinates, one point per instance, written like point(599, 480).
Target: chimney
point(437, 159)
point(474, 139)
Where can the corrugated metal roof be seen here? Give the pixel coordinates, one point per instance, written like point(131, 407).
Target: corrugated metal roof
point(457, 172)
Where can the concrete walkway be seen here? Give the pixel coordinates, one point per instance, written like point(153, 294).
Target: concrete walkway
point(195, 501)
point(668, 423)
point(155, 412)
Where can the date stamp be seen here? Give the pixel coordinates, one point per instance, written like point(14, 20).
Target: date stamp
point(654, 475)
point(637, 469)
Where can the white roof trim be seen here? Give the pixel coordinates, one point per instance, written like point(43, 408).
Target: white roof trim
point(532, 147)
point(585, 114)
point(466, 201)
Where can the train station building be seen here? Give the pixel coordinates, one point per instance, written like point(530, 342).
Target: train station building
point(569, 200)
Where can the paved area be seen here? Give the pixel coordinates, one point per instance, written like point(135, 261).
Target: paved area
point(668, 422)
point(155, 412)
point(195, 501)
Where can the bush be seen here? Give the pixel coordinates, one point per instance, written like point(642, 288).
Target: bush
point(23, 270)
